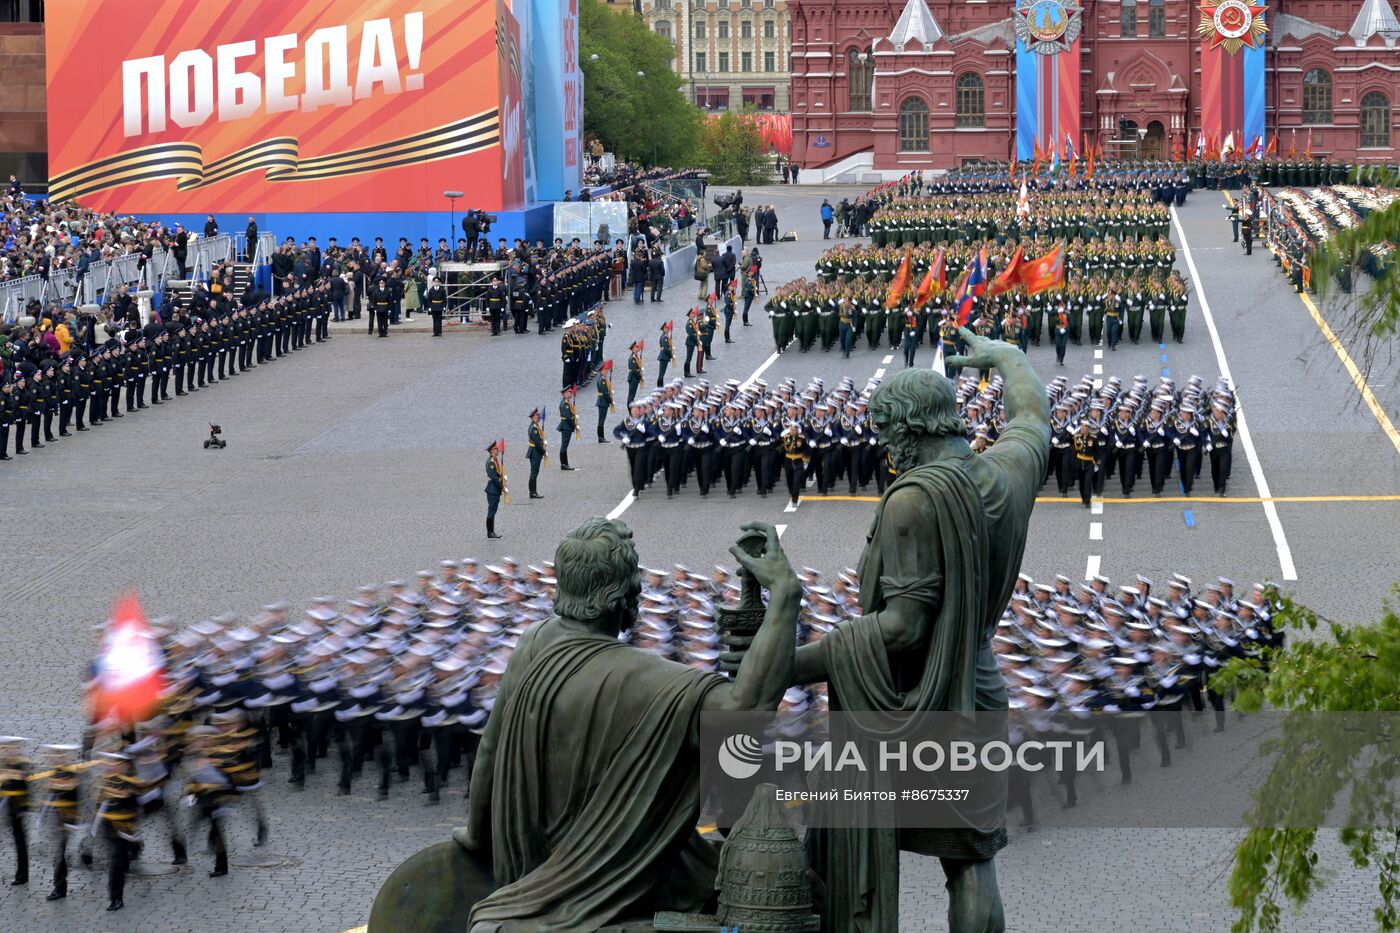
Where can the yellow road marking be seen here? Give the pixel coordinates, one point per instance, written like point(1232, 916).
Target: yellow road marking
point(1352, 369)
point(1199, 500)
point(1356, 378)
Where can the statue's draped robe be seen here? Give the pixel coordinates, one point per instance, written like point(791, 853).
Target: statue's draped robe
point(962, 568)
point(594, 797)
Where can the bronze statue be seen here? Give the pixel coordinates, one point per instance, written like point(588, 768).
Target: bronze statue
point(940, 561)
point(585, 792)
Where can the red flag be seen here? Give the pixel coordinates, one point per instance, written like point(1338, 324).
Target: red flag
point(1307, 152)
point(932, 278)
point(1073, 156)
point(1045, 272)
point(130, 667)
point(1272, 148)
point(1007, 278)
point(1089, 170)
point(900, 283)
point(1293, 146)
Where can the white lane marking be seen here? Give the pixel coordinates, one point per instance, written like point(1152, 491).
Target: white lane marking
point(880, 373)
point(1096, 507)
point(773, 358)
point(1285, 555)
point(1098, 384)
point(1098, 354)
point(1098, 369)
point(1091, 569)
point(792, 506)
point(1096, 531)
point(781, 529)
point(888, 360)
point(627, 500)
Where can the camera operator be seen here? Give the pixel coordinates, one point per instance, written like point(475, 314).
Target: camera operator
point(470, 228)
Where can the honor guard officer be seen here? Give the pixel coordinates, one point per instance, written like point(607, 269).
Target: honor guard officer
point(496, 488)
point(538, 451)
point(604, 401)
point(436, 297)
point(568, 425)
point(635, 372)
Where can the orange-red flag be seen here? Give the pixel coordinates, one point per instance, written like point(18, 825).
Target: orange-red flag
point(1009, 277)
point(900, 283)
point(1045, 272)
point(933, 279)
point(1272, 148)
point(1089, 169)
point(130, 667)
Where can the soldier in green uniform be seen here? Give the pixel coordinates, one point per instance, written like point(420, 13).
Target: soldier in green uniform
point(1176, 288)
point(780, 314)
point(634, 370)
point(692, 341)
point(847, 328)
point(495, 484)
point(666, 354)
point(604, 401)
point(538, 451)
point(568, 424)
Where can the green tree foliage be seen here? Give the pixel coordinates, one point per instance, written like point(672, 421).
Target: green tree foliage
point(732, 148)
point(641, 118)
point(1375, 311)
point(1352, 669)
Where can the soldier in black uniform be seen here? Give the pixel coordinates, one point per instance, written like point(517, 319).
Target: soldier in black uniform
point(117, 807)
point(1086, 458)
point(62, 777)
point(14, 800)
point(496, 305)
point(796, 453)
point(436, 297)
point(209, 791)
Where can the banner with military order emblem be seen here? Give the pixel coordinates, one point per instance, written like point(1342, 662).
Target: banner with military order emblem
point(1047, 74)
point(1233, 37)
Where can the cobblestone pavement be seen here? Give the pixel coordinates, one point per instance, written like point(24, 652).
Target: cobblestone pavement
point(361, 460)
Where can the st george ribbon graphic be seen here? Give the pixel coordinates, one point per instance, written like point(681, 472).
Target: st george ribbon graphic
point(279, 157)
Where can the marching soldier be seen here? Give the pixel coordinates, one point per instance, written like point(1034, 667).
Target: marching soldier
point(62, 777)
point(1220, 442)
point(1086, 456)
point(1186, 438)
point(796, 454)
point(14, 801)
point(209, 791)
point(117, 808)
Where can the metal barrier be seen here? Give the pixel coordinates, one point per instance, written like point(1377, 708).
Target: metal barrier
point(125, 270)
point(93, 283)
point(159, 268)
point(267, 245)
point(209, 252)
point(15, 294)
point(62, 287)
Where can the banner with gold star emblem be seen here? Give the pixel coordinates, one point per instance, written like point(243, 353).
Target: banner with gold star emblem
point(1233, 36)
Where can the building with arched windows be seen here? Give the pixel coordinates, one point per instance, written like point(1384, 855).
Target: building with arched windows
point(884, 87)
point(731, 54)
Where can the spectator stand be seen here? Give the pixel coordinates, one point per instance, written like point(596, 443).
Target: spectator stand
point(259, 257)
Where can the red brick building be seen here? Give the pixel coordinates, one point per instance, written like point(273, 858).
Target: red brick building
point(23, 113)
point(888, 87)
